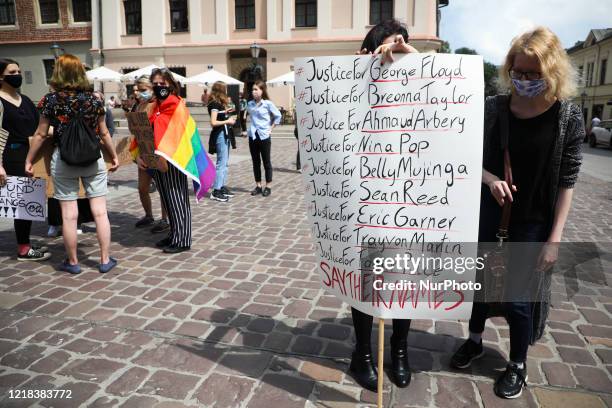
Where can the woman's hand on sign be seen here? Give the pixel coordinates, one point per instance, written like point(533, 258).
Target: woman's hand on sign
point(231, 120)
point(141, 164)
point(2, 177)
point(398, 45)
point(29, 169)
point(548, 256)
point(501, 191)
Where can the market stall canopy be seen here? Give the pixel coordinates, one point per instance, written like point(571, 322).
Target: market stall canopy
point(286, 79)
point(210, 77)
point(103, 74)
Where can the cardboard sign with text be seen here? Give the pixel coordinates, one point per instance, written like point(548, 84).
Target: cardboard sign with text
point(140, 127)
point(23, 198)
point(392, 161)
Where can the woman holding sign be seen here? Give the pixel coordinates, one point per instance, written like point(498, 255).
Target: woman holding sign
point(531, 160)
point(146, 102)
point(384, 38)
point(18, 116)
point(75, 114)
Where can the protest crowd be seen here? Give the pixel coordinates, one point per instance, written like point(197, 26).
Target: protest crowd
point(532, 142)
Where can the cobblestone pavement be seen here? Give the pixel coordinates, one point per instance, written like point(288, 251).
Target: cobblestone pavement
point(240, 320)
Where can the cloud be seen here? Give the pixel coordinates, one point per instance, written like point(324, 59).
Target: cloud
point(488, 26)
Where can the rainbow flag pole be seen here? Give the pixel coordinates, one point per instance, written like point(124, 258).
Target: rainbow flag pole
point(181, 146)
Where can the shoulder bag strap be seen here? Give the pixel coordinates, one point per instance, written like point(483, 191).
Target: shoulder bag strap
point(502, 110)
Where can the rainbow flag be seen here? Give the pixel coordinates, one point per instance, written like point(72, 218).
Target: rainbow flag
point(178, 141)
point(134, 150)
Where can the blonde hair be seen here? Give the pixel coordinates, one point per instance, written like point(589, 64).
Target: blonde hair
point(556, 66)
point(144, 80)
point(69, 74)
point(218, 93)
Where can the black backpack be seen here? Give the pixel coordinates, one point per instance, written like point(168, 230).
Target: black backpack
point(79, 144)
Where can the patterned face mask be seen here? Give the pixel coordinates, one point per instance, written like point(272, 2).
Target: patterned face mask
point(529, 89)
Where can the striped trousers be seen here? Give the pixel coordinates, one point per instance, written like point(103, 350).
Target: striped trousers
point(173, 187)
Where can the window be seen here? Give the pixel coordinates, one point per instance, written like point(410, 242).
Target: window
point(49, 66)
point(49, 13)
point(132, 10)
point(380, 10)
point(183, 72)
point(245, 14)
point(7, 12)
point(81, 11)
point(305, 13)
point(602, 71)
point(179, 16)
point(589, 75)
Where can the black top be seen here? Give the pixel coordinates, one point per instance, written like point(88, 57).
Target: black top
point(221, 115)
point(531, 144)
point(20, 121)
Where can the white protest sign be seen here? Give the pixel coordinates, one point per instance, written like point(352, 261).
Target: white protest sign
point(392, 159)
point(23, 198)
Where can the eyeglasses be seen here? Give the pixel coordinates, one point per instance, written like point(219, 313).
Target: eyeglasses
point(530, 76)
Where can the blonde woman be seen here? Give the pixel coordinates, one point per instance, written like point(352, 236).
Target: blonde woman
point(543, 132)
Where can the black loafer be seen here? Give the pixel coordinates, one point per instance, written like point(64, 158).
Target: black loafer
point(175, 249)
point(364, 371)
point(400, 367)
point(256, 191)
point(163, 243)
point(266, 192)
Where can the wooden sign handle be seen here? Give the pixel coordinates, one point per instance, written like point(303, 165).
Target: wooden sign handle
point(381, 359)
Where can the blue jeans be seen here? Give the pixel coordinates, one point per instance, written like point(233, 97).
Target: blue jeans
point(222, 161)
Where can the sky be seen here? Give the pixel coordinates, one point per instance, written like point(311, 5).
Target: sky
point(488, 26)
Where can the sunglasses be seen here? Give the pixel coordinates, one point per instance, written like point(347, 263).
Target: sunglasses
point(530, 76)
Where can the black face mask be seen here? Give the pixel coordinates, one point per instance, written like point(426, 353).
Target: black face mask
point(161, 91)
point(13, 80)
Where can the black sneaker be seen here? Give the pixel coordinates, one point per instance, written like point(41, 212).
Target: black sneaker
point(162, 225)
point(34, 255)
point(218, 195)
point(467, 353)
point(144, 222)
point(510, 384)
point(163, 243)
point(256, 191)
point(266, 192)
point(227, 192)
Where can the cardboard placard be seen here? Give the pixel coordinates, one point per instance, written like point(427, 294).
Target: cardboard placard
point(23, 198)
point(391, 159)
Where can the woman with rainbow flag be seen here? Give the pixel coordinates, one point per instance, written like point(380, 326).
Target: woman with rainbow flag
point(177, 141)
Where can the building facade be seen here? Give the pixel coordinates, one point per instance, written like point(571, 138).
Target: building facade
point(592, 57)
point(29, 28)
point(188, 36)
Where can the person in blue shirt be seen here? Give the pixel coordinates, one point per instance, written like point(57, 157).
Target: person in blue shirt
point(264, 117)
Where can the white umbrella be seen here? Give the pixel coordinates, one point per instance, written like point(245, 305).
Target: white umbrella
point(103, 74)
point(134, 75)
point(210, 77)
point(286, 79)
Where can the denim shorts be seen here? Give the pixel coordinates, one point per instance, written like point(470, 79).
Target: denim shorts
point(66, 179)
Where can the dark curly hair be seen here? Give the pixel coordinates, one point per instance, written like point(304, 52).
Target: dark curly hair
point(375, 37)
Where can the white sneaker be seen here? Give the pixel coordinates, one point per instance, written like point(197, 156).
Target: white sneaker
point(79, 231)
point(54, 231)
